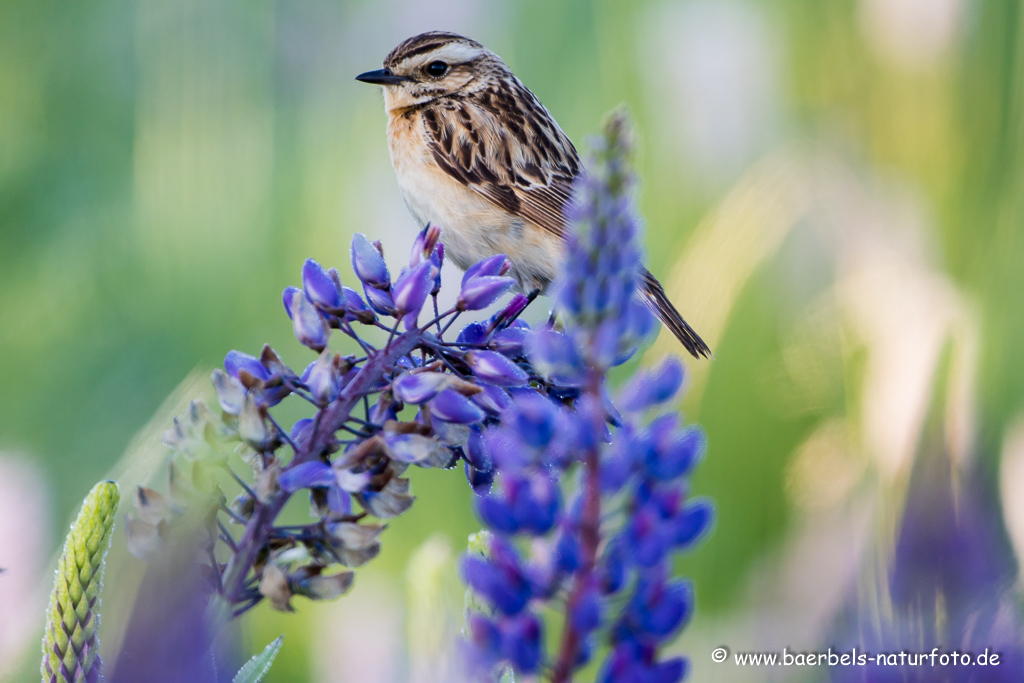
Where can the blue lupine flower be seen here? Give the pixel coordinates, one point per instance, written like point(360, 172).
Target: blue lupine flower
point(495, 265)
point(502, 584)
point(634, 663)
point(415, 448)
point(521, 641)
point(355, 307)
point(653, 387)
point(613, 567)
point(646, 537)
point(567, 550)
point(674, 452)
point(310, 328)
point(485, 636)
point(451, 406)
point(425, 246)
point(379, 300)
point(516, 306)
point(300, 430)
point(495, 368)
point(411, 289)
point(473, 333)
point(556, 357)
point(368, 263)
point(320, 287)
point(491, 398)
point(693, 522)
point(286, 297)
point(236, 362)
point(587, 613)
point(534, 418)
point(659, 606)
point(420, 387)
point(529, 503)
point(322, 377)
point(511, 340)
point(305, 475)
point(482, 291)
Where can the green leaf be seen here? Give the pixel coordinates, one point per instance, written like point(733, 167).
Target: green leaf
point(257, 667)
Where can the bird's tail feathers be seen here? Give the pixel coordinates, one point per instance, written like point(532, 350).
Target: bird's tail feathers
point(653, 294)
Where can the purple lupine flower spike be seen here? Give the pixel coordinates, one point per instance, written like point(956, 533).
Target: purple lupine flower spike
point(563, 426)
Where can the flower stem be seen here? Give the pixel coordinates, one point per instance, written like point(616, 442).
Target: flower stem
point(590, 541)
point(330, 420)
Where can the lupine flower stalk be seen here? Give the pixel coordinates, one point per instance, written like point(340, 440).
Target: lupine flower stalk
point(409, 396)
point(599, 549)
point(71, 642)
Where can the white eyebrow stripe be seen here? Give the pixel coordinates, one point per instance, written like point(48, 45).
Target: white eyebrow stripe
point(452, 53)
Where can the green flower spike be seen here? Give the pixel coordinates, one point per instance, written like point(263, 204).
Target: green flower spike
point(71, 643)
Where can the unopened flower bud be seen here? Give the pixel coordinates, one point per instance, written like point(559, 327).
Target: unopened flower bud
point(379, 300)
point(451, 406)
point(319, 286)
point(495, 368)
point(368, 263)
point(230, 392)
point(493, 265)
point(310, 328)
point(322, 377)
point(411, 289)
point(481, 292)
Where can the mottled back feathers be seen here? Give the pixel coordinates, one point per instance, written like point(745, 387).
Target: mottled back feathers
point(502, 143)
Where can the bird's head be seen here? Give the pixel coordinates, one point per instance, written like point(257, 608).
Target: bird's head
point(433, 65)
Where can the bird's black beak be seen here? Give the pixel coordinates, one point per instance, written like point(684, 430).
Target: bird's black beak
point(381, 77)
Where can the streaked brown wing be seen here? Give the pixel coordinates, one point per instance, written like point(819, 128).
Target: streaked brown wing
point(504, 145)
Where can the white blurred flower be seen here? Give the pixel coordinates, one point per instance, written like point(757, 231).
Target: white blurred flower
point(911, 34)
point(24, 544)
point(711, 73)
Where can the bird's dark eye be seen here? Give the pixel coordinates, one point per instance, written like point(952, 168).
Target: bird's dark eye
point(437, 69)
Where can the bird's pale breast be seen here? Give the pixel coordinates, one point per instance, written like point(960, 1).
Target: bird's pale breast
point(472, 227)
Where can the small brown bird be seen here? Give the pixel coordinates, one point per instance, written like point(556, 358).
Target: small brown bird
point(478, 155)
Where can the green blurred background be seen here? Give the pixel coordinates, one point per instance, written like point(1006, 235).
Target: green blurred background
point(833, 193)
